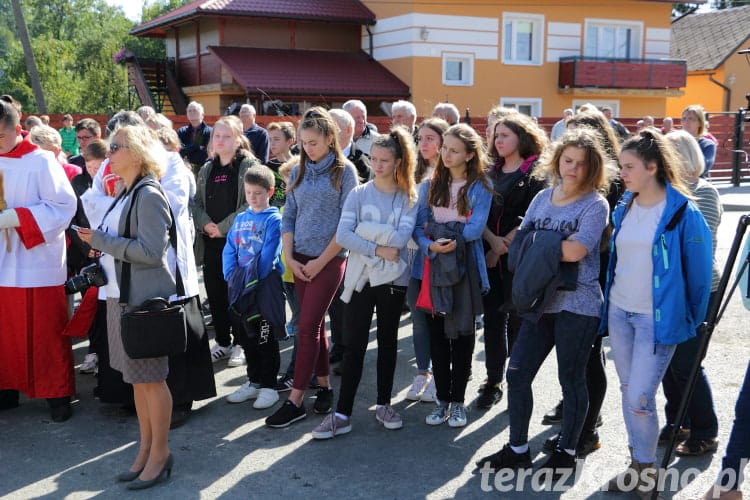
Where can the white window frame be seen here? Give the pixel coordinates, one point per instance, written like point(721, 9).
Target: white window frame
point(514, 102)
point(636, 43)
point(465, 58)
point(614, 104)
point(537, 38)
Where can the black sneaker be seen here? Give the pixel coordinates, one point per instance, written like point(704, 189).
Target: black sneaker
point(323, 400)
point(286, 415)
point(665, 436)
point(284, 384)
point(560, 463)
point(489, 396)
point(588, 442)
point(506, 459)
point(554, 416)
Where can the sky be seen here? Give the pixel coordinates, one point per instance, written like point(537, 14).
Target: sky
point(132, 8)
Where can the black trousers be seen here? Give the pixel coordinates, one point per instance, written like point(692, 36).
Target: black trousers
point(216, 289)
point(500, 329)
point(336, 315)
point(261, 348)
point(389, 302)
point(596, 384)
point(451, 361)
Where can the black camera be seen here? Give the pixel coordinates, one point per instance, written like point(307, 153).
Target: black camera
point(91, 275)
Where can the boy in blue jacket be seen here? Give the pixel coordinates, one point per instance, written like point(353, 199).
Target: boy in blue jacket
point(252, 268)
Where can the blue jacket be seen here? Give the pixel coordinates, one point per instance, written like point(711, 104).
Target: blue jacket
point(480, 200)
point(254, 234)
point(682, 260)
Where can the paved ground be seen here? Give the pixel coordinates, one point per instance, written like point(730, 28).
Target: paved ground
point(225, 451)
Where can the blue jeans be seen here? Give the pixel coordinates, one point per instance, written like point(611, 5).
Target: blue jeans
point(420, 327)
point(700, 416)
point(572, 336)
point(640, 365)
point(738, 447)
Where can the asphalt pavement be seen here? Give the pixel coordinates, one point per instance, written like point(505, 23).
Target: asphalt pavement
point(225, 451)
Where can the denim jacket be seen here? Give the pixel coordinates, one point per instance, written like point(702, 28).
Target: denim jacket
point(682, 260)
point(480, 200)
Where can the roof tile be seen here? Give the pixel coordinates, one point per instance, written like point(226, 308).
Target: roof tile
point(346, 11)
point(309, 72)
point(706, 40)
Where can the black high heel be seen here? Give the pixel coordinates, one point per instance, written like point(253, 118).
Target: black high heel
point(166, 471)
point(128, 476)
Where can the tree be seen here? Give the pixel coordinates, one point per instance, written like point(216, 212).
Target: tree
point(23, 34)
point(679, 9)
point(727, 4)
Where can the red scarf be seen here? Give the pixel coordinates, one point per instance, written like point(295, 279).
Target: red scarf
point(24, 147)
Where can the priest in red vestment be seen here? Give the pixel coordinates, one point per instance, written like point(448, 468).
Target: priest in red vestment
point(36, 203)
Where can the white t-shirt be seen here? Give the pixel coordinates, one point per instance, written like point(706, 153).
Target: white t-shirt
point(632, 286)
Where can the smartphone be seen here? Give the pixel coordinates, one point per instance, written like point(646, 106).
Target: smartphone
point(75, 228)
point(443, 240)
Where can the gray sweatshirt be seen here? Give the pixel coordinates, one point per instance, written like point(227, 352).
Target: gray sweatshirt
point(366, 204)
point(313, 208)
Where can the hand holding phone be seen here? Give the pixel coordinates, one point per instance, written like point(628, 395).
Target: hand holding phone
point(75, 228)
point(443, 241)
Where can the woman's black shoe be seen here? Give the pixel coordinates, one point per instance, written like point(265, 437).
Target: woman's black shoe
point(128, 476)
point(560, 463)
point(166, 471)
point(506, 459)
point(489, 396)
point(588, 442)
point(554, 416)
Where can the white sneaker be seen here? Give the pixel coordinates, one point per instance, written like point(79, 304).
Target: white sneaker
point(458, 415)
point(237, 358)
point(90, 363)
point(417, 386)
point(430, 392)
point(218, 352)
point(266, 399)
point(438, 415)
point(244, 393)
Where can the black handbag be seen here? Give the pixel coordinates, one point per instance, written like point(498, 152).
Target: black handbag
point(157, 327)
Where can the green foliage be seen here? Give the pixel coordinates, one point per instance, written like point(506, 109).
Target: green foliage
point(679, 9)
point(728, 4)
point(73, 42)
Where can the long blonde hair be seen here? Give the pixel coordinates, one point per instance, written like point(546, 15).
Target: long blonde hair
point(401, 144)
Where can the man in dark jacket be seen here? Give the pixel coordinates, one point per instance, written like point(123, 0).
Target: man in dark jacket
point(257, 135)
point(195, 137)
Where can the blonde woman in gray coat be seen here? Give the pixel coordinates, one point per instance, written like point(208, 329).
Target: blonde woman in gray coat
point(134, 156)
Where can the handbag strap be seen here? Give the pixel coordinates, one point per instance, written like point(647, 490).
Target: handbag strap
point(125, 281)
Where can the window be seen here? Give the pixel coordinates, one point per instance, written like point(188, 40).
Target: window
point(522, 38)
point(613, 39)
point(531, 106)
point(458, 69)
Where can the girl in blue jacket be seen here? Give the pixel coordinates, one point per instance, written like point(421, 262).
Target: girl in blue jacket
point(458, 192)
point(652, 300)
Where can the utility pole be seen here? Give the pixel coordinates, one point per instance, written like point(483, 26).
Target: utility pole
point(23, 34)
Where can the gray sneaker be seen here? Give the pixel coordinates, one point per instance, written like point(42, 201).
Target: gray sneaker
point(332, 425)
point(458, 415)
point(387, 416)
point(438, 415)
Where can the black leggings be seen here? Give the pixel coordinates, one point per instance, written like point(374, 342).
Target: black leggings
point(389, 302)
point(596, 384)
point(216, 289)
point(500, 330)
point(451, 361)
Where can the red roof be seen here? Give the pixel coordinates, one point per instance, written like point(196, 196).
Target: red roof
point(337, 11)
point(312, 73)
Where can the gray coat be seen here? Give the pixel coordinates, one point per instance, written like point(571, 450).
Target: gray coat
point(146, 249)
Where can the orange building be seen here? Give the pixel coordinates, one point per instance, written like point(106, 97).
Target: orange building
point(541, 57)
point(718, 76)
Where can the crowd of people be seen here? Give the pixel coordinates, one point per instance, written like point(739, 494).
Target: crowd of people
point(548, 241)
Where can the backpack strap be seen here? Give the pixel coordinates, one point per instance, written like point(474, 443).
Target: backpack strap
point(676, 217)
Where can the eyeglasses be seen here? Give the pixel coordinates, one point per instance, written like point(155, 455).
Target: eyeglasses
point(114, 147)
point(84, 137)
